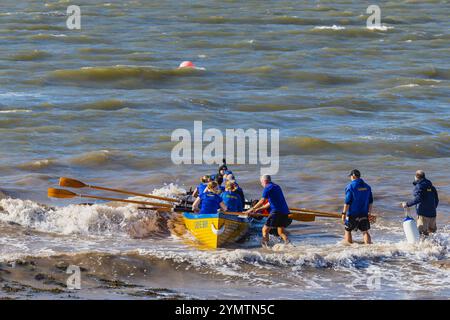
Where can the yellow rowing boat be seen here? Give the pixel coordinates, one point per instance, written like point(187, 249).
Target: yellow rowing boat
point(216, 230)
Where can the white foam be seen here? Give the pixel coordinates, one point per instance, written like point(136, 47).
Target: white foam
point(19, 94)
point(380, 28)
point(409, 85)
point(95, 219)
point(333, 27)
point(16, 111)
point(76, 219)
point(300, 256)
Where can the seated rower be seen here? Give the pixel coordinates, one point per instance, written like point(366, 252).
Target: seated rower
point(230, 177)
point(209, 202)
point(219, 181)
point(223, 168)
point(231, 197)
point(202, 186)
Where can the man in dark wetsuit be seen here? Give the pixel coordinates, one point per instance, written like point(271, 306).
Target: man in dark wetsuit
point(272, 198)
point(358, 205)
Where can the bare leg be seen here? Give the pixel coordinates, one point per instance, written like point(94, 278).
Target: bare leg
point(367, 238)
point(283, 235)
point(265, 234)
point(348, 237)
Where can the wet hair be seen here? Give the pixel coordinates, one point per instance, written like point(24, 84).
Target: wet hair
point(212, 186)
point(205, 179)
point(230, 185)
point(420, 174)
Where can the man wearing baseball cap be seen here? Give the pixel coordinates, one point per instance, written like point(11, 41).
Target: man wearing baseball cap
point(358, 205)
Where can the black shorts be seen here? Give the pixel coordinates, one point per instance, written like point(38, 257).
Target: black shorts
point(357, 223)
point(278, 220)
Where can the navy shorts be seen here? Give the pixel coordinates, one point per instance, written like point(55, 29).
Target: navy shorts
point(278, 220)
point(357, 223)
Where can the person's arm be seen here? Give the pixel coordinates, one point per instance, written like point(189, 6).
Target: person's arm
point(258, 205)
point(436, 197)
point(223, 206)
point(264, 206)
point(344, 211)
point(195, 193)
point(196, 204)
point(348, 201)
point(418, 193)
point(370, 202)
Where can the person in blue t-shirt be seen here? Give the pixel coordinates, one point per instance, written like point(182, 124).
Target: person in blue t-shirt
point(230, 177)
point(202, 186)
point(209, 202)
point(358, 205)
point(272, 198)
point(231, 197)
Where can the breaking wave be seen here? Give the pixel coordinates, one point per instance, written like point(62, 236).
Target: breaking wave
point(326, 256)
point(95, 219)
point(122, 76)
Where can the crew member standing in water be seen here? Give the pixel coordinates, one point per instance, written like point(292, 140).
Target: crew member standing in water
point(426, 201)
point(272, 198)
point(358, 205)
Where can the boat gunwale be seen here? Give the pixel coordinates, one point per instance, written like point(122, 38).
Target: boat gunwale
point(192, 216)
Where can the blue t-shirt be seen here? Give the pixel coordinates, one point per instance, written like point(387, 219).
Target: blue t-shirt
point(232, 200)
point(201, 187)
point(274, 194)
point(210, 202)
point(358, 195)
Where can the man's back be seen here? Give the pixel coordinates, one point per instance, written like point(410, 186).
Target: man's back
point(358, 195)
point(425, 197)
point(274, 194)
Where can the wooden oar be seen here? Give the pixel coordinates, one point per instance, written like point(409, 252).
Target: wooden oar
point(65, 194)
point(72, 183)
point(372, 217)
point(318, 213)
point(305, 217)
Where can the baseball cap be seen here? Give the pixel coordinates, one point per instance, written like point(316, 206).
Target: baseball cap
point(355, 172)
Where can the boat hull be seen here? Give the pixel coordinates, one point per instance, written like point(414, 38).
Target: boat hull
point(216, 230)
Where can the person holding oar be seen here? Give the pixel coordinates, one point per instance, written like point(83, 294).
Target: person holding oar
point(426, 200)
point(358, 205)
point(209, 202)
point(202, 186)
point(273, 198)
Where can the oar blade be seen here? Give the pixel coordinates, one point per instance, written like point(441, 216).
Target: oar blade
point(305, 217)
point(60, 193)
point(70, 183)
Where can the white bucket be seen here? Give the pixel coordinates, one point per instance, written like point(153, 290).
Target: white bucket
point(410, 228)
